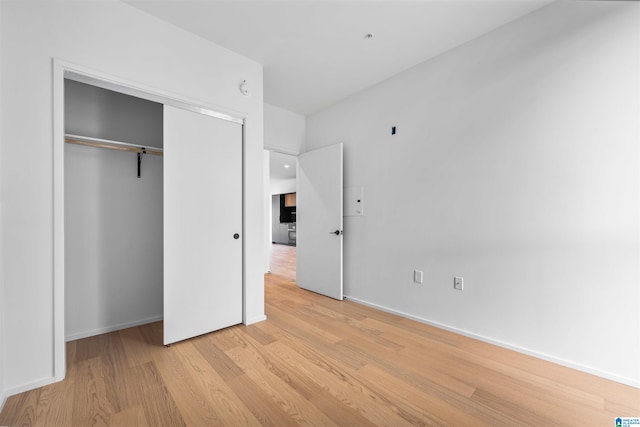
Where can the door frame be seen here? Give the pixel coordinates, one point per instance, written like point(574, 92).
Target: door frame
point(61, 70)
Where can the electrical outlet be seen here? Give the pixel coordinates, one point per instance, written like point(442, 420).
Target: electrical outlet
point(417, 276)
point(458, 283)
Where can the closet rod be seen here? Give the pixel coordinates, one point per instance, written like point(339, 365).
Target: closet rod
point(114, 145)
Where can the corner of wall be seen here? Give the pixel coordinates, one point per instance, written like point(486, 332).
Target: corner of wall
point(3, 391)
point(3, 399)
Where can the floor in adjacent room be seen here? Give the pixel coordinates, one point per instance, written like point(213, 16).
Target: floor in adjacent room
point(315, 361)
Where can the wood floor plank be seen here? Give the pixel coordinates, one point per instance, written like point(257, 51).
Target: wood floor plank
point(593, 385)
point(420, 377)
point(342, 415)
point(439, 409)
point(152, 333)
point(293, 323)
point(187, 393)
point(300, 330)
point(533, 388)
point(259, 335)
point(217, 358)
point(307, 388)
point(534, 391)
point(199, 392)
point(135, 347)
point(414, 338)
point(116, 369)
point(130, 417)
point(267, 411)
point(283, 263)
point(229, 409)
point(335, 378)
point(315, 361)
point(355, 330)
point(55, 404)
point(428, 331)
point(151, 394)
point(268, 377)
point(14, 406)
point(271, 364)
point(71, 360)
point(91, 404)
point(21, 409)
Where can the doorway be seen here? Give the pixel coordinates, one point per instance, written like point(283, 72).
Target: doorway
point(282, 234)
point(318, 218)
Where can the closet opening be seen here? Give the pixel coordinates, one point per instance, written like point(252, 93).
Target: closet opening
point(113, 187)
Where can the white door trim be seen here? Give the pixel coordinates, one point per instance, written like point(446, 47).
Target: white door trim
point(61, 70)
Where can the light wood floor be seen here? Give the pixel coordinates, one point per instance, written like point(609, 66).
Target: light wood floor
point(315, 361)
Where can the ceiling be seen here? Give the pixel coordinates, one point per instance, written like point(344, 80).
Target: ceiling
point(282, 167)
point(316, 53)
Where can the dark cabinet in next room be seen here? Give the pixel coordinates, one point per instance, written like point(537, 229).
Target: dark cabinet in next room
point(288, 207)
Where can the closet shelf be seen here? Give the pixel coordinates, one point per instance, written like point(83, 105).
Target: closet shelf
point(114, 145)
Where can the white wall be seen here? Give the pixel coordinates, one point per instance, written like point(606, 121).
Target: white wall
point(113, 219)
point(516, 166)
point(101, 113)
point(284, 131)
point(283, 186)
point(115, 39)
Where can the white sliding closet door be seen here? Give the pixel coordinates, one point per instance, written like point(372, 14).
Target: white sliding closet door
point(202, 224)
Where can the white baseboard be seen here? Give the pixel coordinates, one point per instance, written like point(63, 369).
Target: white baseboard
point(607, 375)
point(107, 329)
point(26, 387)
point(255, 320)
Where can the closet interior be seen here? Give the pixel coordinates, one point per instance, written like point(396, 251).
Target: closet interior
point(113, 210)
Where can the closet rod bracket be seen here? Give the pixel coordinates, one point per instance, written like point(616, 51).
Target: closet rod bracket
point(140, 154)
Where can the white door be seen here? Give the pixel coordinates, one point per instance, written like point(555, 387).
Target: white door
point(319, 221)
point(202, 224)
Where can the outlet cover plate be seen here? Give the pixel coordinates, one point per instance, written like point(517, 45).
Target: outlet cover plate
point(458, 283)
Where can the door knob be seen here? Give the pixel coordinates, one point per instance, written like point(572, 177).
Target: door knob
point(236, 236)
point(337, 232)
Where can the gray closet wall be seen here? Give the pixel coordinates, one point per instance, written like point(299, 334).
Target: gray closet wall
point(113, 219)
